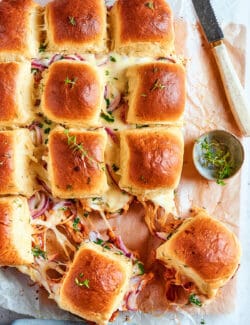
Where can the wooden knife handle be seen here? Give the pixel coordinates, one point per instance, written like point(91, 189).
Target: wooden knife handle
point(233, 88)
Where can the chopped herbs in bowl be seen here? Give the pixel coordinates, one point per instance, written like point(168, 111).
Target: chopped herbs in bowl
point(218, 155)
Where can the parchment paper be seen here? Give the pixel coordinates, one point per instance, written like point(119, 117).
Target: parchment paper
point(206, 109)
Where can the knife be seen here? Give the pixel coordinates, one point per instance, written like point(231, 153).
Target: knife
point(233, 88)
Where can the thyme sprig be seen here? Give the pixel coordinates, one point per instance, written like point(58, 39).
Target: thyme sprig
point(216, 156)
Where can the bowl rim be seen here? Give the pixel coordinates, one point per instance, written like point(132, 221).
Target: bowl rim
point(228, 134)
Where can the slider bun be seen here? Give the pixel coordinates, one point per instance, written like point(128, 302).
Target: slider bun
point(15, 232)
point(108, 277)
point(16, 176)
point(86, 32)
point(151, 159)
point(77, 103)
point(74, 172)
point(204, 250)
point(156, 93)
point(139, 30)
point(19, 21)
point(16, 83)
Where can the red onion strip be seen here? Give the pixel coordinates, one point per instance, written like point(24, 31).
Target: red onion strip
point(38, 204)
point(112, 135)
point(115, 103)
point(109, 169)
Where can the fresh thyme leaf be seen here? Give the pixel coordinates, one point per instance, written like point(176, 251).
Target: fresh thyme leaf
point(72, 20)
point(138, 126)
point(76, 223)
point(70, 82)
point(202, 322)
point(86, 214)
point(107, 100)
point(98, 241)
point(42, 47)
point(112, 58)
point(47, 130)
point(157, 85)
point(37, 252)
point(115, 168)
point(193, 299)
point(108, 117)
point(141, 268)
point(150, 5)
point(84, 283)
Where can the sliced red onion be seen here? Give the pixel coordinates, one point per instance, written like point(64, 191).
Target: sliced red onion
point(112, 135)
point(131, 299)
point(93, 236)
point(44, 185)
point(39, 64)
point(38, 133)
point(55, 58)
point(114, 103)
point(162, 235)
point(79, 57)
point(38, 204)
point(120, 244)
point(104, 62)
point(69, 57)
point(109, 169)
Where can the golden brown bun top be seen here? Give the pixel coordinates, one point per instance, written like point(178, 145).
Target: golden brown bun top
point(141, 23)
point(8, 74)
point(206, 245)
point(13, 23)
point(76, 100)
point(75, 169)
point(161, 91)
point(87, 24)
point(105, 277)
point(155, 158)
point(6, 158)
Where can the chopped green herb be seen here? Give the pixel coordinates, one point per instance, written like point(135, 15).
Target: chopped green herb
point(96, 199)
point(86, 214)
point(48, 122)
point(98, 241)
point(112, 58)
point(72, 20)
point(150, 5)
point(84, 283)
point(34, 70)
point(40, 125)
point(216, 156)
point(46, 141)
point(202, 322)
point(106, 73)
point(47, 130)
point(115, 168)
point(108, 117)
point(42, 47)
point(76, 223)
point(141, 268)
point(70, 82)
point(193, 299)
point(63, 209)
point(115, 78)
point(18, 203)
point(107, 100)
point(37, 252)
point(157, 85)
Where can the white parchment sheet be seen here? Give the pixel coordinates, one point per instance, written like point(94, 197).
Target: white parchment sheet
point(19, 294)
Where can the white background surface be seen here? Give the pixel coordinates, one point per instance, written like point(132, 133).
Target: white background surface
point(237, 11)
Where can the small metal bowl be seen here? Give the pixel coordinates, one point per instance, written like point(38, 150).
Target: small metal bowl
point(228, 141)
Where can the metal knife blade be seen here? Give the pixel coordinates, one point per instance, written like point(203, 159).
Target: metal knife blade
point(208, 20)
